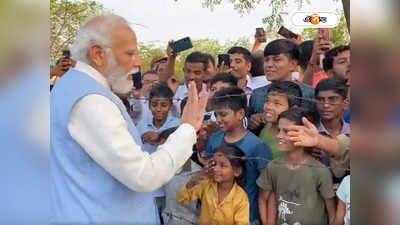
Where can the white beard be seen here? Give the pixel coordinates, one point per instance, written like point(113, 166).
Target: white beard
point(120, 82)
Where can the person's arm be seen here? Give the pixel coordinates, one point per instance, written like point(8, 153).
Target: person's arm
point(340, 213)
point(308, 136)
point(97, 124)
point(313, 65)
point(170, 69)
point(190, 193)
point(263, 196)
point(330, 207)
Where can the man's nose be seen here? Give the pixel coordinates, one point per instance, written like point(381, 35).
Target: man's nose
point(137, 61)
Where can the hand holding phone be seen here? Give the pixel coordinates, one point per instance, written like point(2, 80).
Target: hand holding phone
point(223, 58)
point(260, 35)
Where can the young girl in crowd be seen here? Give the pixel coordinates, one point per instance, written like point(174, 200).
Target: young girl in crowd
point(302, 185)
point(222, 196)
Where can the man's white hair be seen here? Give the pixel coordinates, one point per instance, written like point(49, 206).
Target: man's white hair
point(95, 30)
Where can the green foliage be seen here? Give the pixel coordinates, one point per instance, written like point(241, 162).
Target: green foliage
point(273, 21)
point(338, 35)
point(65, 18)
point(149, 51)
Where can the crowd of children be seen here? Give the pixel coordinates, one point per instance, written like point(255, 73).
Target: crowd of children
point(273, 149)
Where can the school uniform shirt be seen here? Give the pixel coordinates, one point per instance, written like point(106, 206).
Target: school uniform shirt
point(147, 125)
point(300, 193)
point(234, 209)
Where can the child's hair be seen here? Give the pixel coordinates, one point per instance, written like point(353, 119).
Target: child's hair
point(305, 48)
point(290, 89)
point(282, 46)
point(225, 78)
point(165, 133)
point(161, 90)
point(327, 62)
point(233, 98)
point(237, 159)
point(240, 50)
point(332, 84)
point(296, 114)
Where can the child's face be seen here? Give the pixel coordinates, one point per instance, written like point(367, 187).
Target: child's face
point(227, 119)
point(279, 67)
point(217, 87)
point(330, 105)
point(275, 105)
point(223, 170)
point(159, 107)
point(285, 145)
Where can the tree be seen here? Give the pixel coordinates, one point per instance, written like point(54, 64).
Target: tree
point(338, 35)
point(275, 20)
point(65, 18)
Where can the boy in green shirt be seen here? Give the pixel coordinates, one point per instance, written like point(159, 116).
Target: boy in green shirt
point(281, 97)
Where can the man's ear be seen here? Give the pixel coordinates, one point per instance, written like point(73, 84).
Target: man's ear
point(241, 113)
point(98, 57)
point(249, 65)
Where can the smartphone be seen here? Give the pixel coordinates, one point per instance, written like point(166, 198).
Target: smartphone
point(66, 54)
point(137, 80)
point(223, 58)
point(324, 32)
point(182, 45)
point(287, 33)
point(260, 34)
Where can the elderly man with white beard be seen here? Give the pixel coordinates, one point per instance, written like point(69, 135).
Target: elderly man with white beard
point(99, 174)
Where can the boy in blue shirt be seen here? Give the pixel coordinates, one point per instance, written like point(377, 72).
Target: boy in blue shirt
point(229, 105)
point(160, 104)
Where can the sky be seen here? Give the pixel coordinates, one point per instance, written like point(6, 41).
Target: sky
point(161, 20)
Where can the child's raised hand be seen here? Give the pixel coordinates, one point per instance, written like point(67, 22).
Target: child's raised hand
point(209, 168)
point(196, 179)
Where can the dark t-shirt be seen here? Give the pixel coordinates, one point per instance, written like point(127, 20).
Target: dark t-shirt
point(300, 193)
point(251, 146)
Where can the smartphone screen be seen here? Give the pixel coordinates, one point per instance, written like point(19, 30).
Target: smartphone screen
point(137, 80)
point(260, 34)
point(182, 45)
point(325, 33)
point(223, 58)
point(66, 54)
point(287, 33)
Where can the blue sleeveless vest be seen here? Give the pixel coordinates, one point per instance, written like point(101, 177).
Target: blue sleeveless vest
point(82, 192)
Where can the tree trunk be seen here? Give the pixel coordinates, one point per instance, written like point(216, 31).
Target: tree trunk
point(346, 9)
